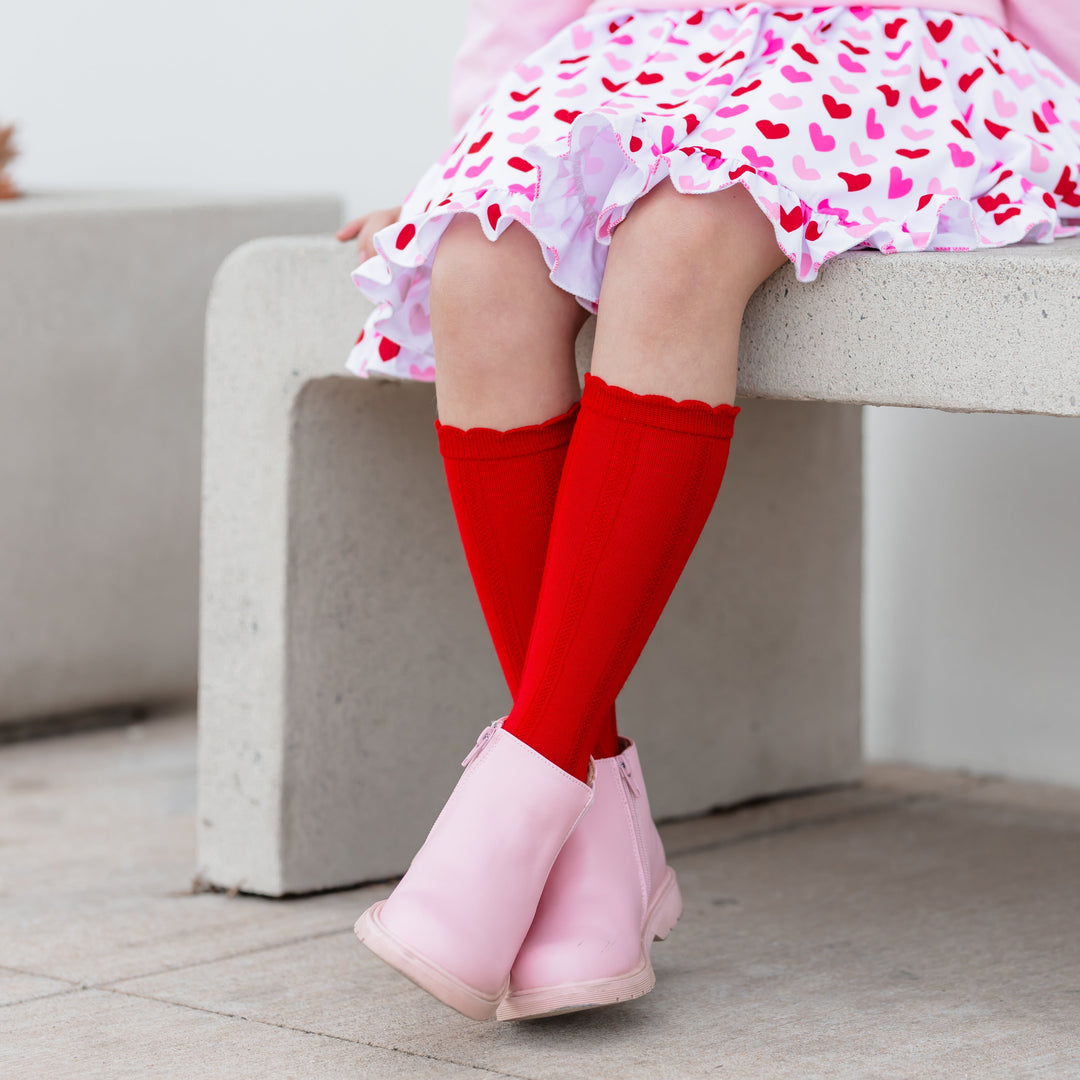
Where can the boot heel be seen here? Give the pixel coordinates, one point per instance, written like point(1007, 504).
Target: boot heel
point(668, 908)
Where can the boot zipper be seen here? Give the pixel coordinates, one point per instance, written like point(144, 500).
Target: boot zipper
point(639, 836)
point(481, 742)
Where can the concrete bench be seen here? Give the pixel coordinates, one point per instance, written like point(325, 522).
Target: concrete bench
point(345, 668)
point(102, 309)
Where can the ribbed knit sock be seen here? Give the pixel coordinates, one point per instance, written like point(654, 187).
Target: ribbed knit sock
point(641, 475)
point(503, 486)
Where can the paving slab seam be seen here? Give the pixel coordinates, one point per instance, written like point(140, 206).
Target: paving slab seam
point(108, 984)
point(797, 826)
point(319, 1034)
point(38, 974)
point(44, 997)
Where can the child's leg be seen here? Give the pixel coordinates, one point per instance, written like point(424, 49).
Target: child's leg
point(642, 472)
point(507, 389)
point(504, 334)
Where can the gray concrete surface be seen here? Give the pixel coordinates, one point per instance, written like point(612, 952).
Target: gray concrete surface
point(102, 306)
point(920, 926)
point(344, 659)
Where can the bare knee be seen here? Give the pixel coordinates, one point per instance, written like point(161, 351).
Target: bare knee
point(498, 290)
point(720, 240)
point(503, 332)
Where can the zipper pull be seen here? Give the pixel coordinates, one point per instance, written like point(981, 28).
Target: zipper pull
point(629, 780)
point(481, 742)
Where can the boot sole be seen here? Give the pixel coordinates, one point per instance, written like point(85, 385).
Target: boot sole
point(662, 916)
point(428, 975)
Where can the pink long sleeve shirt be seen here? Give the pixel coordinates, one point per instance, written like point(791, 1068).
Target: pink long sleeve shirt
point(499, 33)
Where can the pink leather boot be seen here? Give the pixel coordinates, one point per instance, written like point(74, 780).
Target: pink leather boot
point(610, 894)
point(457, 919)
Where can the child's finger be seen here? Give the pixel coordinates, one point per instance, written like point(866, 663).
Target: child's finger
point(351, 230)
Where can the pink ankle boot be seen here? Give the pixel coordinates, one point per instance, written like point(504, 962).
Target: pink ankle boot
point(610, 894)
point(457, 919)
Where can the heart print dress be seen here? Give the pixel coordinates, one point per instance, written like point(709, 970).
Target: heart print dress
point(900, 129)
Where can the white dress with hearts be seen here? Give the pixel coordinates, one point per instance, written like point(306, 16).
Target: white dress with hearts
point(896, 129)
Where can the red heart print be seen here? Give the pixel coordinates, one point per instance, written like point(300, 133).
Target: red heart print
point(836, 109)
point(647, 78)
point(612, 86)
point(791, 219)
point(999, 131)
point(740, 55)
point(927, 82)
point(858, 50)
point(574, 60)
point(893, 28)
point(992, 202)
point(404, 237)
point(940, 31)
point(518, 96)
point(710, 57)
point(493, 215)
point(799, 49)
point(746, 89)
point(773, 131)
point(520, 164)
point(789, 16)
point(691, 122)
point(388, 349)
point(740, 170)
point(1004, 216)
point(855, 181)
point(1047, 198)
point(812, 231)
point(967, 81)
point(924, 201)
point(904, 152)
point(1040, 124)
point(566, 116)
point(695, 18)
point(635, 144)
point(480, 144)
point(892, 95)
point(1066, 188)
point(961, 128)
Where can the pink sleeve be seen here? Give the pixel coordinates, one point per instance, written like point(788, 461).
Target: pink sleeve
point(498, 34)
point(1051, 26)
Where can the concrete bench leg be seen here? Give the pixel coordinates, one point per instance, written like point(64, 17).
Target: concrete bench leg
point(345, 667)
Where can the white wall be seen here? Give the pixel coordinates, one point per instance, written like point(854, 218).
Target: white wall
point(973, 522)
point(272, 96)
point(972, 604)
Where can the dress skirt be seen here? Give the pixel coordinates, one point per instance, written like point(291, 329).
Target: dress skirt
point(900, 129)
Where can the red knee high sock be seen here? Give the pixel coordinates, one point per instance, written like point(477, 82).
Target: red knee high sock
point(503, 486)
point(640, 478)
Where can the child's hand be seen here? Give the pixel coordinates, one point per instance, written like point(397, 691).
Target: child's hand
point(362, 229)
